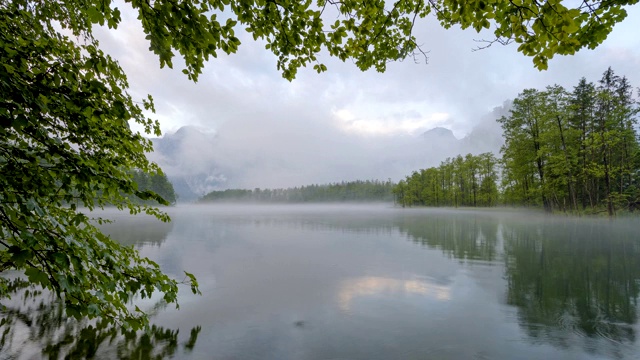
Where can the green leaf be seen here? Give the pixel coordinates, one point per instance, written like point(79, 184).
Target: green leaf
point(37, 276)
point(20, 256)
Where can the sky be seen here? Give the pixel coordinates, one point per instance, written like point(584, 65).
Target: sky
point(346, 118)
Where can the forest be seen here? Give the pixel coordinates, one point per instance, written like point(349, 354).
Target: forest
point(350, 191)
point(157, 183)
point(573, 151)
point(461, 181)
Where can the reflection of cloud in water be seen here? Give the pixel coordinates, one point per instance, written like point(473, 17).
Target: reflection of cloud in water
point(136, 230)
point(372, 286)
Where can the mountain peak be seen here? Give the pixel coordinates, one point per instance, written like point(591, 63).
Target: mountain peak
point(189, 130)
point(439, 132)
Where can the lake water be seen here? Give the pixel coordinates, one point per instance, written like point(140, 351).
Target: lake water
point(376, 282)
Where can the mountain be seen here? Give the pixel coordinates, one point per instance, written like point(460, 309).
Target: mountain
point(486, 135)
point(187, 159)
point(441, 143)
point(439, 134)
point(198, 161)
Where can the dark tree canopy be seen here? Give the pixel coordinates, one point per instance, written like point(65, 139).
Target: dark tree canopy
point(369, 32)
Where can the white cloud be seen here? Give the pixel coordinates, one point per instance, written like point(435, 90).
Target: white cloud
point(387, 123)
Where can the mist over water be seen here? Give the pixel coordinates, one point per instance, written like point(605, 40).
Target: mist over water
point(378, 282)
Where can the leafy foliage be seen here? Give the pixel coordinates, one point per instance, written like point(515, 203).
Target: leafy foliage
point(155, 183)
point(64, 142)
point(541, 28)
point(35, 320)
point(371, 33)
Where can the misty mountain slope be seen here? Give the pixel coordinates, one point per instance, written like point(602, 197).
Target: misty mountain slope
point(289, 155)
point(439, 134)
point(441, 142)
point(186, 157)
point(486, 135)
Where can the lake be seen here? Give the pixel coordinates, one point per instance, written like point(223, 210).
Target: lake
point(377, 282)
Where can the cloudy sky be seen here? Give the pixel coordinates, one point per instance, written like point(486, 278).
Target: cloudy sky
point(344, 116)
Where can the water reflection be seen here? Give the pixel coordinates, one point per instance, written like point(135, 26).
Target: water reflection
point(137, 230)
point(568, 278)
point(573, 277)
point(375, 286)
point(465, 236)
point(33, 325)
point(302, 283)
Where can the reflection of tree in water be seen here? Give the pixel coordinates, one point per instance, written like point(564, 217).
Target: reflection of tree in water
point(137, 230)
point(34, 325)
point(462, 235)
point(573, 277)
point(566, 278)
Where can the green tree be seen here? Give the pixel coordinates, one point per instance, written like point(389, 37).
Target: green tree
point(582, 104)
point(559, 146)
point(337, 192)
point(65, 141)
point(462, 181)
point(523, 157)
point(565, 149)
point(399, 192)
point(615, 138)
point(157, 183)
point(488, 194)
point(160, 185)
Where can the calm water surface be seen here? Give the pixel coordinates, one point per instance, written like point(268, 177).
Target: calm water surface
point(374, 282)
